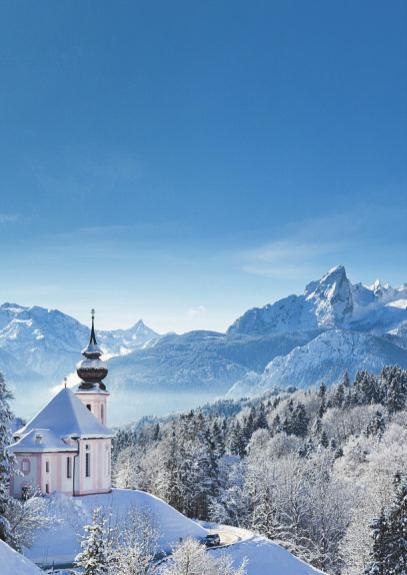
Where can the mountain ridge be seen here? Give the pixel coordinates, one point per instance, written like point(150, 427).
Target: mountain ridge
point(289, 342)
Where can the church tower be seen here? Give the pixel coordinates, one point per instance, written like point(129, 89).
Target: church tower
point(91, 371)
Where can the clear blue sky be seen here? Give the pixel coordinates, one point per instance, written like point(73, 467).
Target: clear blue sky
point(184, 161)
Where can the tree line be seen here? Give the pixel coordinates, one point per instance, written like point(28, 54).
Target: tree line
point(311, 469)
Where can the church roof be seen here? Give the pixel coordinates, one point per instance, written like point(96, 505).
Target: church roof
point(38, 440)
point(64, 416)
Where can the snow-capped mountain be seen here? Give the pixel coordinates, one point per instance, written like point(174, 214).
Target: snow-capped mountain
point(331, 302)
point(124, 341)
point(358, 327)
point(299, 340)
point(42, 344)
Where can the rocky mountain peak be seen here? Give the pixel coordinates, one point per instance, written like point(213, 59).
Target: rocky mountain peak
point(331, 297)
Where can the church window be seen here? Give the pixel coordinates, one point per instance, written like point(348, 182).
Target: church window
point(87, 465)
point(107, 468)
point(47, 467)
point(102, 413)
point(47, 488)
point(68, 467)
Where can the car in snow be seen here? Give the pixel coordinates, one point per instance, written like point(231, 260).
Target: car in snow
point(211, 540)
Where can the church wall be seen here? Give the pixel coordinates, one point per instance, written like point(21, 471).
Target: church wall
point(99, 480)
point(30, 466)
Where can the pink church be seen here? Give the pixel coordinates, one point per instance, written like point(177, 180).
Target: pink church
point(66, 447)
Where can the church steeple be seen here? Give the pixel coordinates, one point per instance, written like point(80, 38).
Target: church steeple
point(92, 369)
point(92, 333)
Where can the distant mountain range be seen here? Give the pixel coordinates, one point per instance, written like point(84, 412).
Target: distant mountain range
point(299, 340)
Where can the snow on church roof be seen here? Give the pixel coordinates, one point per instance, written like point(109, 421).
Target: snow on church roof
point(63, 416)
point(38, 440)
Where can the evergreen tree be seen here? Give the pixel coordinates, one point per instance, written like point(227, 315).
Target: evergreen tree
point(93, 558)
point(322, 391)
point(389, 555)
point(394, 385)
point(346, 380)
point(317, 426)
point(296, 421)
point(249, 425)
point(339, 396)
point(156, 432)
point(322, 396)
point(276, 426)
point(367, 389)
point(377, 425)
point(324, 439)
point(6, 459)
point(237, 443)
point(261, 418)
point(218, 439)
point(338, 453)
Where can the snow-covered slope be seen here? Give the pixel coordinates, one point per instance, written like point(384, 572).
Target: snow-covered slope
point(327, 357)
point(266, 558)
point(61, 543)
point(13, 563)
point(198, 360)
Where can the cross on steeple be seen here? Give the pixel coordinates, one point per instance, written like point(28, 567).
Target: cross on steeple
point(92, 370)
point(92, 333)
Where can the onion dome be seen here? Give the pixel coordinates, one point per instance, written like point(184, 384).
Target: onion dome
point(92, 369)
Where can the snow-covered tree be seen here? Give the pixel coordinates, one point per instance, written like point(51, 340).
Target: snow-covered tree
point(6, 460)
point(311, 478)
point(389, 555)
point(93, 558)
point(133, 544)
point(191, 558)
point(25, 518)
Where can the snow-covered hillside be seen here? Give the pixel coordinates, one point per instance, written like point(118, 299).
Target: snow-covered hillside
point(327, 357)
point(62, 543)
point(13, 563)
point(265, 557)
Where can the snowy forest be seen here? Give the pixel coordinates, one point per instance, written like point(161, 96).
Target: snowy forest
point(320, 471)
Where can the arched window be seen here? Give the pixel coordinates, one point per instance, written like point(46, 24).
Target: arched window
point(25, 466)
point(102, 413)
point(88, 405)
point(47, 466)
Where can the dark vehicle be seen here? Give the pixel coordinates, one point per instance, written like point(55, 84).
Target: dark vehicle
point(212, 540)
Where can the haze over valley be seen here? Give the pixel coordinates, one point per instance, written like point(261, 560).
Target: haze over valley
point(301, 340)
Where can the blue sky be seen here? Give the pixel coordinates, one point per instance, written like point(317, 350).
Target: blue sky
point(184, 161)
